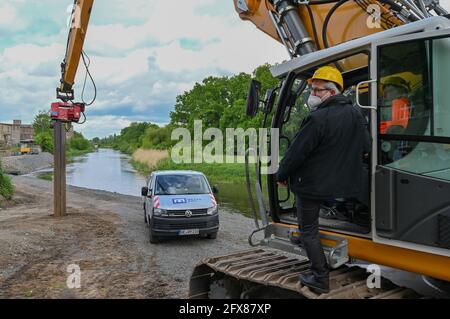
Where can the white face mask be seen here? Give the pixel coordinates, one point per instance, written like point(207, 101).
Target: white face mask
point(313, 102)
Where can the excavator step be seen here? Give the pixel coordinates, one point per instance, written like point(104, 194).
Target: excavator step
point(267, 273)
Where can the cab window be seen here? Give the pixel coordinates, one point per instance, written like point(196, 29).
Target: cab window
point(414, 106)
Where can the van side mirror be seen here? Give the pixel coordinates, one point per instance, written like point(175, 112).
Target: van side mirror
point(253, 98)
point(144, 191)
point(215, 190)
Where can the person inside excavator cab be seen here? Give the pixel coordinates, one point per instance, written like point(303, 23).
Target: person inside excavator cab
point(395, 113)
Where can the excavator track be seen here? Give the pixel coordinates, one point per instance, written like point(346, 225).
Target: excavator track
point(265, 273)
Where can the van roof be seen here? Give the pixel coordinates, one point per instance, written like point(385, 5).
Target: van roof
point(177, 172)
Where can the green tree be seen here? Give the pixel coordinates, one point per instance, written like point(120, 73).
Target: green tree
point(41, 122)
point(43, 132)
point(78, 142)
point(157, 137)
point(220, 101)
point(45, 141)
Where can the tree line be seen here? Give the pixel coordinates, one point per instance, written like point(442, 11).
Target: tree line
point(219, 102)
point(43, 136)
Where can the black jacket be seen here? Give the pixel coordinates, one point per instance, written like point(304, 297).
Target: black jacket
point(326, 157)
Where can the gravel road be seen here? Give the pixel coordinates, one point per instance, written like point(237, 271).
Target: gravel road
point(25, 164)
point(105, 234)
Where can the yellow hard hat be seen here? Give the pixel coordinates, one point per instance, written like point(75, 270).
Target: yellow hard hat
point(328, 73)
point(397, 81)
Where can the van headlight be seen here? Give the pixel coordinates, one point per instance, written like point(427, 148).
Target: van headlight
point(159, 212)
point(212, 210)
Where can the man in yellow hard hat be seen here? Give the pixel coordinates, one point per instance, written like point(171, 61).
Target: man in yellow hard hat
point(324, 161)
point(326, 82)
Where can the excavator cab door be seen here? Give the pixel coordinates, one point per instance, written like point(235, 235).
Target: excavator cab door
point(411, 149)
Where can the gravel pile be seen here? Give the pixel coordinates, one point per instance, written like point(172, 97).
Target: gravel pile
point(25, 164)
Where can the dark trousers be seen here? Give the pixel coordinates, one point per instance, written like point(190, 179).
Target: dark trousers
point(308, 223)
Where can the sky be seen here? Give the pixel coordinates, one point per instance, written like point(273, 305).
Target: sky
point(143, 54)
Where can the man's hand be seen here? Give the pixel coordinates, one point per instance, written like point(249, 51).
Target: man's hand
point(282, 184)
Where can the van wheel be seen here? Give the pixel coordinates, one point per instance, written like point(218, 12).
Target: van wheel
point(212, 235)
point(153, 239)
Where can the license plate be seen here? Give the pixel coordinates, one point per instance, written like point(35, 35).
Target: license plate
point(189, 232)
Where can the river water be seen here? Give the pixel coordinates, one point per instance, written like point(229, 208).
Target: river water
point(110, 170)
point(107, 170)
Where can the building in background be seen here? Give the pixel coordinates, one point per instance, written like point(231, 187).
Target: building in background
point(10, 133)
point(15, 133)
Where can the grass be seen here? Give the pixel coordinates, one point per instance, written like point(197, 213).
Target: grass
point(6, 186)
point(47, 176)
point(145, 161)
point(149, 157)
point(216, 172)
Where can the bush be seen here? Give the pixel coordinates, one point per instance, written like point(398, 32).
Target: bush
point(45, 140)
point(158, 138)
point(79, 143)
point(6, 187)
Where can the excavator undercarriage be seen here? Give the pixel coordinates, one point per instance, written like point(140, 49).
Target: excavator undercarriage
point(268, 273)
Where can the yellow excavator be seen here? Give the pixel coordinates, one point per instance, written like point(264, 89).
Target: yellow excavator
point(403, 221)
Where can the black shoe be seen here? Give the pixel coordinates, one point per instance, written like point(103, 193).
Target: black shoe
point(332, 212)
point(318, 285)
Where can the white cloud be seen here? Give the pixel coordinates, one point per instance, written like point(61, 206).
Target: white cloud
point(30, 56)
point(9, 19)
point(102, 125)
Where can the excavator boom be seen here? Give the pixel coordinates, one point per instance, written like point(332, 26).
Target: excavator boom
point(79, 24)
point(306, 26)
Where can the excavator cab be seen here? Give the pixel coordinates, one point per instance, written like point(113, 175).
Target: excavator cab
point(398, 78)
point(411, 149)
point(402, 220)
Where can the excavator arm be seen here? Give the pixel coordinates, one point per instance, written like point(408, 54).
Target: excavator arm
point(307, 26)
point(67, 111)
point(79, 23)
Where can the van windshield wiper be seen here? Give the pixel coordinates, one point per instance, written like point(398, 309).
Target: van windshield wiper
point(160, 186)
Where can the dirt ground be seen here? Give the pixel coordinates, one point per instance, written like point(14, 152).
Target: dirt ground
point(105, 235)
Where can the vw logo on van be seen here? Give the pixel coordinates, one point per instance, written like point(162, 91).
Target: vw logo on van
point(188, 213)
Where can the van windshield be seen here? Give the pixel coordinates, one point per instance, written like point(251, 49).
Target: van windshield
point(181, 185)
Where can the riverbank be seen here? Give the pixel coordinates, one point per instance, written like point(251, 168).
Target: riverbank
point(146, 161)
point(105, 235)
